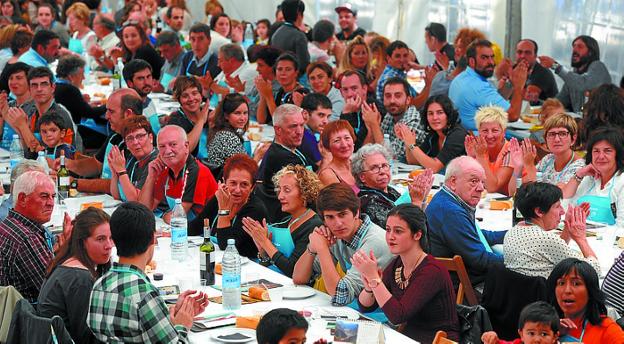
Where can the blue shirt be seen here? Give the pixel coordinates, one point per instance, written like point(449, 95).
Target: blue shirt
point(469, 91)
point(33, 59)
point(390, 72)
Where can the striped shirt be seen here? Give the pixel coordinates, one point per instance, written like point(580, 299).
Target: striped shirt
point(25, 251)
point(613, 285)
point(126, 308)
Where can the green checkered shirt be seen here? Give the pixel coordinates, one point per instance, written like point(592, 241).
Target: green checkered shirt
point(126, 308)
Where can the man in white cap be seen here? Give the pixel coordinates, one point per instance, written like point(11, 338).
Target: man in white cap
point(347, 19)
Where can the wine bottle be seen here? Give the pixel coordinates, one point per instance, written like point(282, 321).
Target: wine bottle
point(63, 178)
point(207, 256)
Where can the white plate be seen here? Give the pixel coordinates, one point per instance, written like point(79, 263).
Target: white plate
point(298, 292)
point(338, 312)
point(250, 334)
point(521, 125)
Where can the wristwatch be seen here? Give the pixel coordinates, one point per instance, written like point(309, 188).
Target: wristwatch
point(223, 212)
point(555, 66)
point(374, 282)
point(412, 146)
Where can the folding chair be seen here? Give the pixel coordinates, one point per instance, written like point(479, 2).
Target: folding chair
point(465, 289)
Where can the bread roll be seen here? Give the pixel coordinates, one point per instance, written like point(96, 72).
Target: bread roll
point(259, 293)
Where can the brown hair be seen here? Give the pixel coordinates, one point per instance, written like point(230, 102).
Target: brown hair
point(334, 127)
point(182, 83)
point(322, 66)
point(561, 120)
point(83, 226)
point(345, 61)
point(549, 105)
point(337, 197)
point(132, 123)
point(228, 105)
point(212, 5)
point(240, 162)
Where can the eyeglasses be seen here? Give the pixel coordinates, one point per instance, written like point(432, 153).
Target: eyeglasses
point(561, 134)
point(138, 137)
point(378, 168)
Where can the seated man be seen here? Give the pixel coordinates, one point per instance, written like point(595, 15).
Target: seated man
point(21, 168)
point(121, 104)
point(25, 245)
point(138, 75)
point(360, 111)
point(327, 260)
point(124, 305)
point(317, 109)
point(44, 49)
point(237, 75)
point(175, 173)
point(288, 122)
point(451, 218)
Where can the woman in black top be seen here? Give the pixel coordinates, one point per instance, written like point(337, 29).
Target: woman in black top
point(70, 74)
point(298, 189)
point(135, 45)
point(70, 276)
point(445, 136)
point(234, 200)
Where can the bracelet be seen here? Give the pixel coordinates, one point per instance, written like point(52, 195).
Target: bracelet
point(310, 251)
point(368, 291)
point(122, 173)
point(412, 146)
point(223, 212)
point(578, 179)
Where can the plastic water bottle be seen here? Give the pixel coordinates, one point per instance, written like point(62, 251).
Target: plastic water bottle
point(179, 227)
point(41, 159)
point(16, 151)
point(119, 70)
point(231, 277)
point(392, 162)
point(248, 36)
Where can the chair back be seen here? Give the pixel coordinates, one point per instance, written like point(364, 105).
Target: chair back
point(27, 327)
point(8, 298)
point(456, 264)
point(440, 338)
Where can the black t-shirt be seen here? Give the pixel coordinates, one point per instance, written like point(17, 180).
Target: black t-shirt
point(276, 157)
point(114, 139)
point(453, 145)
point(545, 80)
point(358, 32)
point(360, 129)
point(71, 98)
point(190, 66)
point(150, 55)
point(179, 119)
point(449, 51)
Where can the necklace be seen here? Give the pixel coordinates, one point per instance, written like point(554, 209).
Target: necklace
point(398, 273)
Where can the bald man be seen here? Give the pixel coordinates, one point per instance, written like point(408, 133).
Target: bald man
point(177, 174)
point(121, 104)
point(451, 216)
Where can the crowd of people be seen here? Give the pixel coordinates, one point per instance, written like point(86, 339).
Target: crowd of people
point(316, 203)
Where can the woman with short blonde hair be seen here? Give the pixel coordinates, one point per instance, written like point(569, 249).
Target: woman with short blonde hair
point(82, 37)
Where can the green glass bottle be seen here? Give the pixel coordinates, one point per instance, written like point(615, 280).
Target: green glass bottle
point(207, 256)
point(63, 178)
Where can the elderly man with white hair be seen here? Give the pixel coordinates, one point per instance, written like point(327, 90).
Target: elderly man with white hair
point(289, 124)
point(24, 166)
point(25, 245)
point(451, 217)
point(174, 174)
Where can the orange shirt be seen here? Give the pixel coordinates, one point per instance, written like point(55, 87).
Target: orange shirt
point(607, 332)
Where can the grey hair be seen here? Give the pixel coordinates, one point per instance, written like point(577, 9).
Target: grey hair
point(284, 110)
point(23, 167)
point(458, 165)
point(232, 50)
point(169, 38)
point(106, 22)
point(179, 130)
point(69, 65)
point(358, 158)
point(28, 181)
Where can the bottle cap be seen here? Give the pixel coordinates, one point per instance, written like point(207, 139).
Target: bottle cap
point(178, 201)
point(15, 136)
point(158, 276)
point(231, 242)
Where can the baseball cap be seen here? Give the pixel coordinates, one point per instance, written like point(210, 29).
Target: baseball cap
point(346, 7)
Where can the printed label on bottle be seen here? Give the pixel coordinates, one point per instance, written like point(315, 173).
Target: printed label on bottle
point(205, 258)
point(231, 281)
point(63, 181)
point(178, 235)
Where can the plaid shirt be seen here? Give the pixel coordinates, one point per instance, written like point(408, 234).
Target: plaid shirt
point(390, 72)
point(126, 308)
point(411, 118)
point(25, 251)
point(341, 297)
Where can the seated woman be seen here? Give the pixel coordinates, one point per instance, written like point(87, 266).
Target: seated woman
point(129, 174)
point(445, 136)
point(226, 137)
point(531, 248)
point(371, 169)
point(358, 57)
point(70, 276)
point(320, 76)
point(561, 164)
point(135, 45)
point(191, 116)
point(297, 189)
point(414, 288)
point(338, 139)
point(491, 149)
point(574, 291)
point(233, 201)
point(601, 182)
point(82, 37)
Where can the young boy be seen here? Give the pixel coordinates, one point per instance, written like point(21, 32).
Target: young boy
point(538, 324)
point(283, 326)
point(52, 129)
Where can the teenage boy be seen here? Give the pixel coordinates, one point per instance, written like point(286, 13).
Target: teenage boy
point(317, 109)
point(327, 260)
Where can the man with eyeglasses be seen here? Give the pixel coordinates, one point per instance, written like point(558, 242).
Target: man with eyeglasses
point(25, 245)
point(121, 104)
point(453, 229)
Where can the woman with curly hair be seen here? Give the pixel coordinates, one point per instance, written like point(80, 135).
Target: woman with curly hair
point(297, 189)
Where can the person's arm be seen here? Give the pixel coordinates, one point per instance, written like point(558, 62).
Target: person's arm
point(84, 166)
point(300, 237)
point(77, 297)
point(97, 185)
point(301, 50)
point(422, 97)
point(114, 186)
point(303, 268)
point(146, 195)
point(570, 188)
point(194, 135)
point(129, 190)
point(78, 108)
point(327, 176)
point(494, 181)
point(596, 75)
point(153, 316)
point(372, 120)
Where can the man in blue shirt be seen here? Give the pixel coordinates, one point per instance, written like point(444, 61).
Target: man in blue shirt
point(471, 89)
point(317, 108)
point(451, 218)
point(44, 49)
